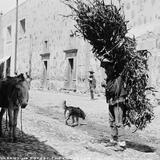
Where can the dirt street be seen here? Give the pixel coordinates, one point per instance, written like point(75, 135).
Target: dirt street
point(43, 118)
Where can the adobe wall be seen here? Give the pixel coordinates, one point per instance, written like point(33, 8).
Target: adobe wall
point(45, 21)
point(144, 17)
point(1, 37)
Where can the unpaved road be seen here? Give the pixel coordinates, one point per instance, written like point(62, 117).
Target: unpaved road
point(43, 118)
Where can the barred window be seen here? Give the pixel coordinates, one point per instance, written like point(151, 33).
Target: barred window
point(22, 26)
point(9, 33)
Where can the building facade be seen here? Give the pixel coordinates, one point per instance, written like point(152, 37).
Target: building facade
point(47, 48)
point(144, 23)
point(54, 57)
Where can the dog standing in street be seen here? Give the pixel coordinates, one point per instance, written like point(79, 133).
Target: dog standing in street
point(73, 112)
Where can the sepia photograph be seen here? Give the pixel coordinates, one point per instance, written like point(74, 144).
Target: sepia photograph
point(79, 79)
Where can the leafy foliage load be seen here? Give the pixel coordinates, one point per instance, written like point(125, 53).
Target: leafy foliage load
point(105, 28)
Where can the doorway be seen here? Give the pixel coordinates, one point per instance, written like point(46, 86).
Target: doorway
point(1, 70)
point(8, 65)
point(70, 70)
point(71, 74)
point(45, 70)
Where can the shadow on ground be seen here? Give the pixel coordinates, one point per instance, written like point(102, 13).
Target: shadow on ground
point(133, 142)
point(26, 146)
point(140, 147)
point(132, 145)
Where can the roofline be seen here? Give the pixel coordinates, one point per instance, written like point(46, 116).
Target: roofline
point(14, 8)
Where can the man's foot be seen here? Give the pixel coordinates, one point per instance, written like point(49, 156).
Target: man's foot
point(118, 125)
point(122, 144)
point(118, 148)
point(74, 124)
point(111, 143)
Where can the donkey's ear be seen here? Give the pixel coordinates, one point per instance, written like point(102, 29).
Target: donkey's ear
point(21, 76)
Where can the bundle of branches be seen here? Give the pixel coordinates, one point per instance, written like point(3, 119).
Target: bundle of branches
point(105, 28)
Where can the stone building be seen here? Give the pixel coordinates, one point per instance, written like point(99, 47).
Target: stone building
point(47, 48)
point(54, 57)
point(144, 17)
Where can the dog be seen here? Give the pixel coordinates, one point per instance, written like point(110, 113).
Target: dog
point(73, 112)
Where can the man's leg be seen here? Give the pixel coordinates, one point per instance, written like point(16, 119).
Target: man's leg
point(114, 129)
point(92, 93)
point(119, 112)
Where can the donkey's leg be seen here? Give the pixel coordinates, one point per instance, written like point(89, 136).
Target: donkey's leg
point(1, 117)
point(11, 123)
point(15, 122)
point(77, 120)
point(73, 121)
point(67, 118)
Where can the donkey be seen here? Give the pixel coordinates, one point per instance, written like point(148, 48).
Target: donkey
point(14, 93)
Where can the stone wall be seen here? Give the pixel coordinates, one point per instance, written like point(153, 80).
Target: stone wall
point(1, 37)
point(141, 12)
point(45, 23)
point(144, 24)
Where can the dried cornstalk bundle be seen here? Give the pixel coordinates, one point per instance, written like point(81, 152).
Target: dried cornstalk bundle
point(105, 28)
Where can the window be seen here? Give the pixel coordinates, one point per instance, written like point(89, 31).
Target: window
point(22, 26)
point(9, 32)
point(45, 65)
point(45, 46)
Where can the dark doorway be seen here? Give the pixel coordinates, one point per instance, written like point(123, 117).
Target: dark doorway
point(45, 67)
point(1, 70)
point(71, 74)
point(8, 65)
point(71, 64)
point(70, 71)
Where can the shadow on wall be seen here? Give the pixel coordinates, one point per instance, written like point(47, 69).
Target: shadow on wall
point(26, 146)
